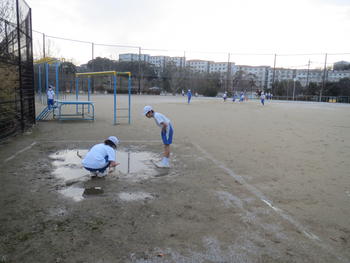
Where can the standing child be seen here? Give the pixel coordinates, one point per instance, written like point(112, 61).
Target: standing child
point(234, 96)
point(262, 98)
point(241, 98)
point(166, 133)
point(50, 97)
point(189, 96)
point(101, 156)
point(224, 96)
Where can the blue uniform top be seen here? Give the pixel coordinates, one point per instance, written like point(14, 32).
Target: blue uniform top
point(98, 156)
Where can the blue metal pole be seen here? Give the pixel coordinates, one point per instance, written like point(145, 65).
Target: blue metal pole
point(46, 77)
point(57, 83)
point(115, 99)
point(76, 92)
point(129, 89)
point(39, 86)
point(89, 90)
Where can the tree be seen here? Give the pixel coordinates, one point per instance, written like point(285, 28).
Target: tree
point(173, 78)
point(237, 80)
point(143, 70)
point(340, 88)
point(313, 89)
point(101, 64)
point(207, 84)
point(243, 81)
point(8, 28)
point(251, 81)
point(68, 68)
point(211, 84)
point(7, 13)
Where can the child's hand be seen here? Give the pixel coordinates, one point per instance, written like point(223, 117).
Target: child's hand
point(114, 164)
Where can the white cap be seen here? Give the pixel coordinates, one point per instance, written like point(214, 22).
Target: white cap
point(114, 140)
point(147, 109)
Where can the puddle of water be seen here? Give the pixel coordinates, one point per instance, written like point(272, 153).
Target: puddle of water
point(68, 165)
point(76, 193)
point(135, 196)
point(93, 191)
point(134, 166)
point(134, 162)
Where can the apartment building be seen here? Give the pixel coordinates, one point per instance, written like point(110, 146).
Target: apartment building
point(259, 73)
point(134, 57)
point(279, 74)
point(199, 65)
point(340, 65)
point(263, 75)
point(221, 67)
point(336, 75)
point(305, 76)
point(178, 61)
point(159, 61)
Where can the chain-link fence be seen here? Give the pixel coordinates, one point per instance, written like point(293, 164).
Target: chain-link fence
point(17, 109)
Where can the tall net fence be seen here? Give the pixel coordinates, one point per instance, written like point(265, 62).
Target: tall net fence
point(17, 109)
point(69, 56)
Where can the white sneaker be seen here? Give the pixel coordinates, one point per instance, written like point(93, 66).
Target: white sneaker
point(162, 165)
point(93, 174)
point(100, 175)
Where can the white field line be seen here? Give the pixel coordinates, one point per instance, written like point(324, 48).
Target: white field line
point(20, 151)
point(265, 200)
point(96, 141)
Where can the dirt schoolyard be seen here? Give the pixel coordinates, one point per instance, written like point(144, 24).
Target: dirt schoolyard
point(247, 183)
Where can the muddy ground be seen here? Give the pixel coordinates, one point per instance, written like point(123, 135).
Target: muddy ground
point(247, 183)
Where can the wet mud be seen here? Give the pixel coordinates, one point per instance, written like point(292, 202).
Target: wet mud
point(208, 207)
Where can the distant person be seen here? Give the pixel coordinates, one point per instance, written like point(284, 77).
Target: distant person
point(101, 156)
point(262, 98)
point(50, 97)
point(189, 96)
point(241, 98)
point(224, 96)
point(234, 97)
point(183, 93)
point(166, 133)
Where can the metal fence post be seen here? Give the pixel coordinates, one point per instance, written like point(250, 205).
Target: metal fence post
point(20, 65)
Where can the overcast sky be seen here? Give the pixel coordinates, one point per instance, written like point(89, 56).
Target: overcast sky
point(203, 29)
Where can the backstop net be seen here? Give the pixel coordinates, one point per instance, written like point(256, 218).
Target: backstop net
point(17, 109)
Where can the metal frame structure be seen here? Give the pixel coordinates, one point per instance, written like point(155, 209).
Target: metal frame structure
point(46, 62)
point(82, 115)
point(114, 74)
